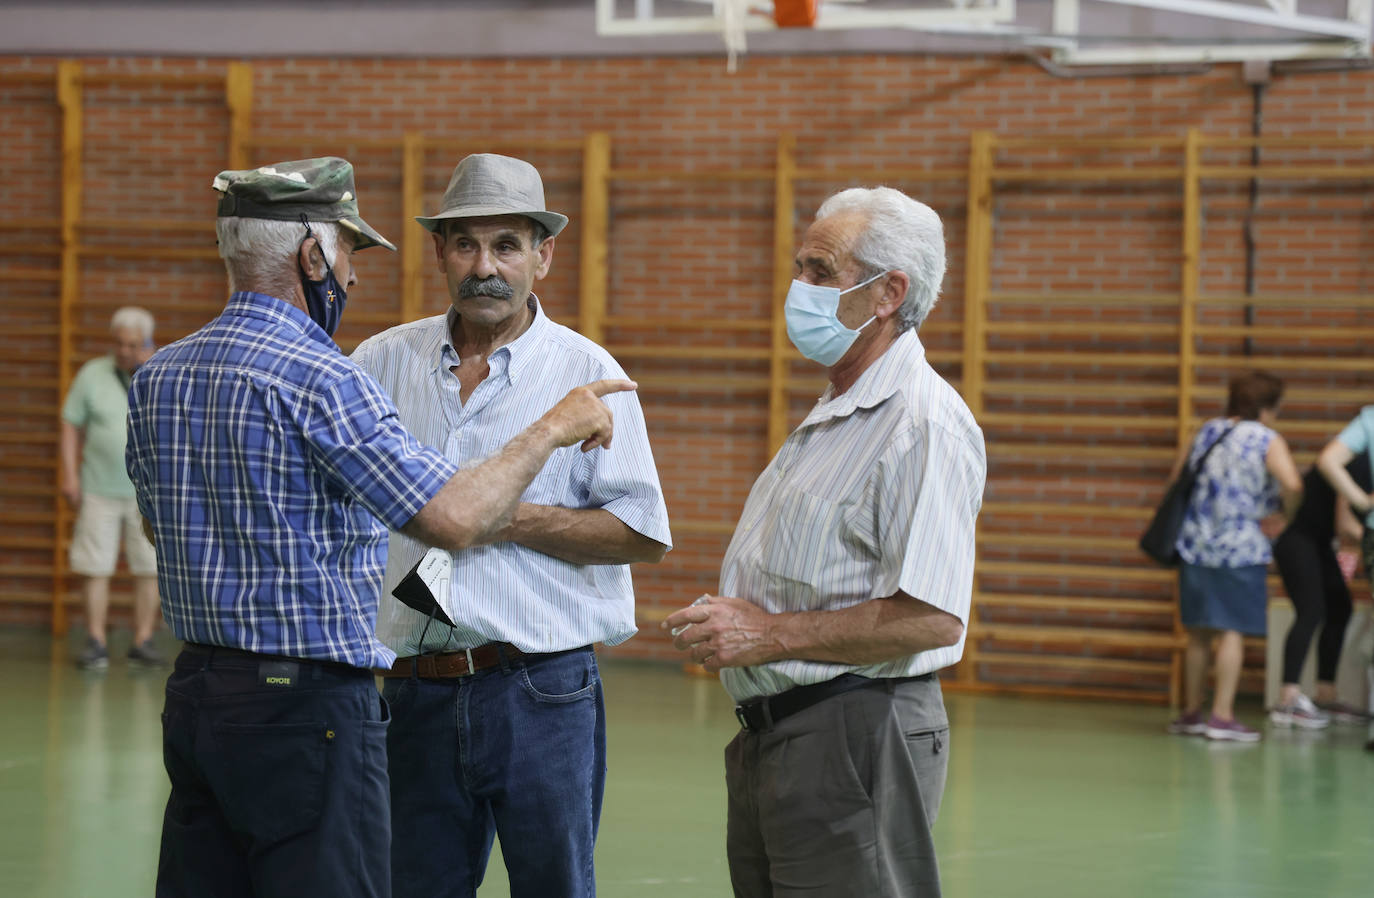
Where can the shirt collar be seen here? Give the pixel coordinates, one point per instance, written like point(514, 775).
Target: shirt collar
point(247, 304)
point(514, 357)
point(876, 384)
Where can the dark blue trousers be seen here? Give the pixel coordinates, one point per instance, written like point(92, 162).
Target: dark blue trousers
point(517, 752)
point(279, 783)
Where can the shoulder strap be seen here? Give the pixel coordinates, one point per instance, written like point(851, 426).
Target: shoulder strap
point(1215, 443)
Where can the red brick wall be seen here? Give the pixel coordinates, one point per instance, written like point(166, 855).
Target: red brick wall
point(704, 249)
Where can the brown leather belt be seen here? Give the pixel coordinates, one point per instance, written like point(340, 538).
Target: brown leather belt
point(452, 664)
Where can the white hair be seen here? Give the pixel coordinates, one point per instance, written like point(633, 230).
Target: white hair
point(133, 318)
point(262, 251)
point(900, 234)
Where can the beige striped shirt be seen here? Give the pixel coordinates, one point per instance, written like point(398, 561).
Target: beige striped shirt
point(876, 492)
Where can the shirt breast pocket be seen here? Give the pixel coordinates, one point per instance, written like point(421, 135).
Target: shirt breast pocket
point(560, 481)
point(804, 533)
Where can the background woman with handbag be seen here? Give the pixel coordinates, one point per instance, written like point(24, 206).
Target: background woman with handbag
point(1224, 553)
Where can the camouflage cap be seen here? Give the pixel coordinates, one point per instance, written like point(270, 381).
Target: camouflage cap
point(320, 189)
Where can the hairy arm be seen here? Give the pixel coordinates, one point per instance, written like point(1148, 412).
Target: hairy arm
point(69, 451)
point(731, 632)
point(1331, 463)
point(477, 503)
point(578, 535)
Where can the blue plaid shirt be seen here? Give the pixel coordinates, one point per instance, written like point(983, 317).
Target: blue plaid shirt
point(270, 467)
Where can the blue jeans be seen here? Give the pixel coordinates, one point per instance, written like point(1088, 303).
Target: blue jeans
point(517, 752)
point(278, 773)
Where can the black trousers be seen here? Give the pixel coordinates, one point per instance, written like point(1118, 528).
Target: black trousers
point(1321, 599)
point(279, 782)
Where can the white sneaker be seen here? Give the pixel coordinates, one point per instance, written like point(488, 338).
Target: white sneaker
point(1300, 713)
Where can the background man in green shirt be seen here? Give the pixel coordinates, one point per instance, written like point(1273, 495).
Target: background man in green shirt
point(94, 431)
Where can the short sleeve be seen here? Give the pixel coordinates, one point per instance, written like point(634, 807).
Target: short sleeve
point(624, 478)
point(355, 435)
point(929, 495)
point(76, 410)
point(1355, 437)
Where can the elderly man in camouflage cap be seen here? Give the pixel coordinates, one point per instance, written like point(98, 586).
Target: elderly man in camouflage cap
point(498, 722)
point(268, 467)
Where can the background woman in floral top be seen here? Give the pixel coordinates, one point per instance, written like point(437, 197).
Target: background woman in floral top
point(1225, 554)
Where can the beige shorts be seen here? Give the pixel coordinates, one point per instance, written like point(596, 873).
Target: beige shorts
point(95, 541)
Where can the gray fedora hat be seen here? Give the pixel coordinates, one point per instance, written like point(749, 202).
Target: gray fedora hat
point(487, 184)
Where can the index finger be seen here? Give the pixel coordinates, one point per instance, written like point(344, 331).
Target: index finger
point(611, 385)
point(688, 615)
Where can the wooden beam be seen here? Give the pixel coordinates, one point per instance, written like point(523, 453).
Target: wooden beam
point(238, 97)
point(415, 242)
point(784, 248)
point(593, 293)
point(1189, 274)
point(72, 105)
point(977, 267)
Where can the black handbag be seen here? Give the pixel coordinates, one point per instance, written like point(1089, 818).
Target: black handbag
point(1160, 538)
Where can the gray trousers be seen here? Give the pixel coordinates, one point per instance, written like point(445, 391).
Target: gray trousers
point(838, 799)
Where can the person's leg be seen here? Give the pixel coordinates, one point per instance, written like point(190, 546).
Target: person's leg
point(142, 558)
point(846, 792)
point(441, 833)
point(1230, 654)
point(1197, 659)
point(1336, 596)
point(94, 551)
point(298, 770)
point(1300, 566)
point(96, 593)
point(145, 609)
point(538, 742)
point(744, 849)
point(199, 856)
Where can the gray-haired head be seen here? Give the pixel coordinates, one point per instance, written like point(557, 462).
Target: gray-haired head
point(485, 184)
point(133, 319)
point(899, 234)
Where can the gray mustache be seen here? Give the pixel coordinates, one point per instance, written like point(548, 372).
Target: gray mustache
point(494, 286)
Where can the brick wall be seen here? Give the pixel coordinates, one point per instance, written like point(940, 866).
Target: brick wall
point(704, 249)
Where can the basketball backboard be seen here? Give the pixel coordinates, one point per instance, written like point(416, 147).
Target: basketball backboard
point(1074, 32)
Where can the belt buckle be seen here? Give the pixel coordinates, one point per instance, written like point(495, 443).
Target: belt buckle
point(472, 665)
point(742, 715)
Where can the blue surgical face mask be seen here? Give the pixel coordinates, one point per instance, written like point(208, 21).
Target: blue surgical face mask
point(325, 298)
point(813, 324)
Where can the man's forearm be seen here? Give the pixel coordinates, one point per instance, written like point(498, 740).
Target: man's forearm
point(578, 535)
point(868, 633)
point(477, 502)
point(69, 445)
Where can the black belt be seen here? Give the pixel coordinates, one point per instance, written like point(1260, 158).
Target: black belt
point(760, 715)
point(224, 653)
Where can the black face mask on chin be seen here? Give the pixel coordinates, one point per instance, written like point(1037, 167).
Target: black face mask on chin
point(325, 298)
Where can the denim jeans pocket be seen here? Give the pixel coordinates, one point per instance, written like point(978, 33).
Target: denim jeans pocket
point(399, 693)
point(568, 678)
point(273, 776)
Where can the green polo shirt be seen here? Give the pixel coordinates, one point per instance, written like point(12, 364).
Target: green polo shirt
point(98, 406)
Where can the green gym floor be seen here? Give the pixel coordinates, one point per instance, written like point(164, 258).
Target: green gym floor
point(1045, 798)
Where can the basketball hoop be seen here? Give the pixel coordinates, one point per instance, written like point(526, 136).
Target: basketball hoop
point(795, 13)
point(734, 24)
point(732, 14)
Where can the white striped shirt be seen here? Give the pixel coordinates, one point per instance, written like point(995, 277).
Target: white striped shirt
point(876, 492)
point(505, 592)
